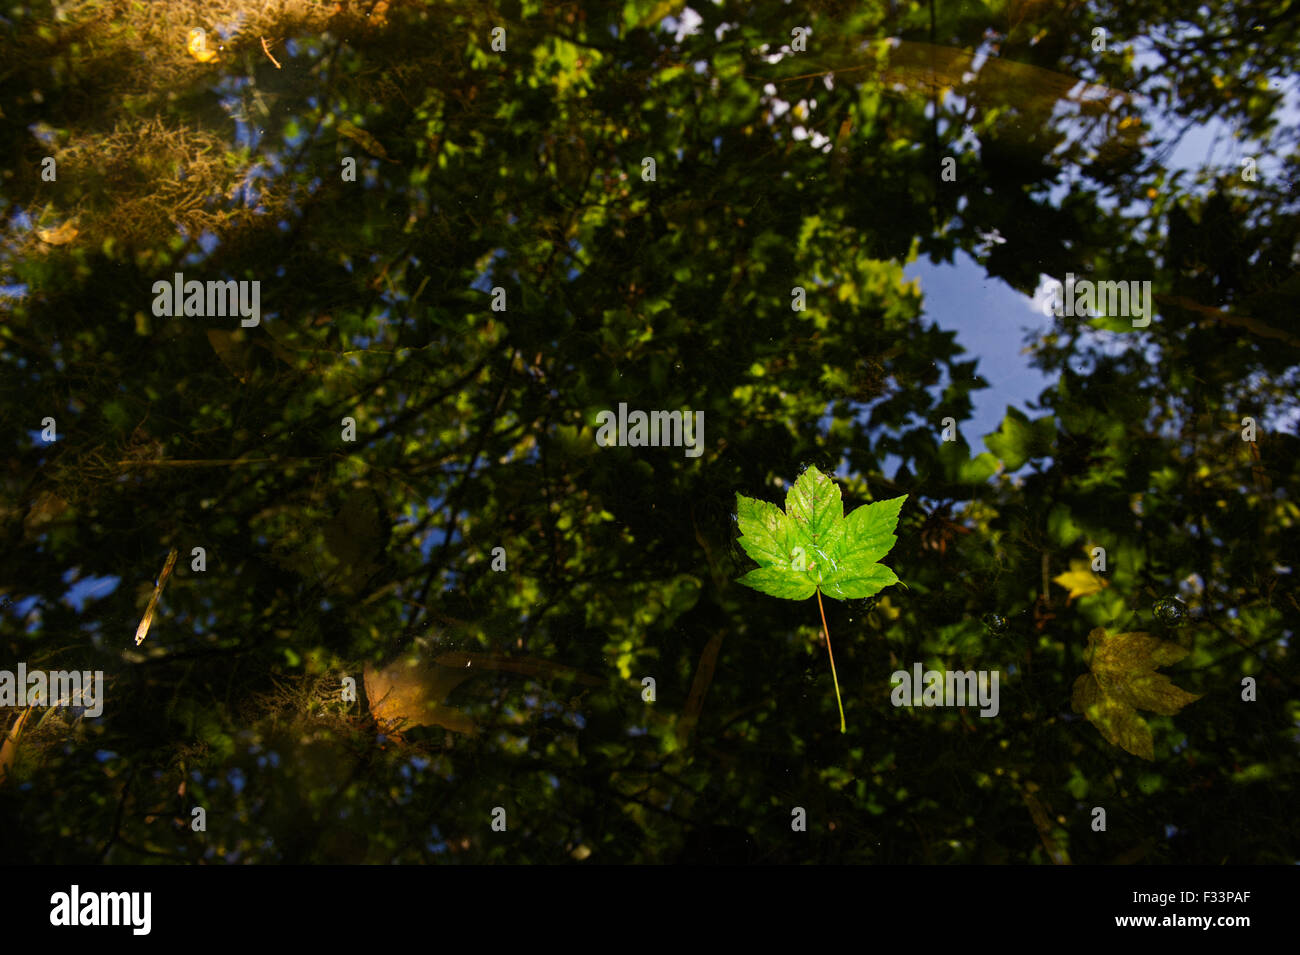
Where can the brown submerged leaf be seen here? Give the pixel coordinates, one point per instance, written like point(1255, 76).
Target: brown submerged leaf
point(412, 692)
point(409, 692)
point(1123, 680)
point(9, 750)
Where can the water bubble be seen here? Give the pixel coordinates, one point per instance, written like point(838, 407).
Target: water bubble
point(1170, 611)
point(995, 622)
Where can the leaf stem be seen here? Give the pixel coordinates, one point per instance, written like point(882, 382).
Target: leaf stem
point(826, 630)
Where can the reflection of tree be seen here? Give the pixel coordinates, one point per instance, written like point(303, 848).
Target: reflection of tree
point(474, 430)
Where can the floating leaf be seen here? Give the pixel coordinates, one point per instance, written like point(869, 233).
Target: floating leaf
point(811, 548)
point(1123, 680)
point(811, 545)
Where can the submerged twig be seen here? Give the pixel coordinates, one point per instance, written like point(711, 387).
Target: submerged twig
point(143, 630)
point(268, 54)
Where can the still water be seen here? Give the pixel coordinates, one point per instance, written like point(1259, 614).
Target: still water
point(649, 433)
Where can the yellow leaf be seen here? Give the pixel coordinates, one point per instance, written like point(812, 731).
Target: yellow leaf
point(61, 235)
point(1080, 581)
point(1123, 680)
point(198, 46)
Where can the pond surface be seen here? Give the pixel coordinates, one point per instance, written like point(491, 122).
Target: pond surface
point(647, 433)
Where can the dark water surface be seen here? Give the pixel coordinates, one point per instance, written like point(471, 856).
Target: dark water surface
point(466, 373)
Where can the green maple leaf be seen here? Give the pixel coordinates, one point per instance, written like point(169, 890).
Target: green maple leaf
point(812, 548)
point(1124, 680)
